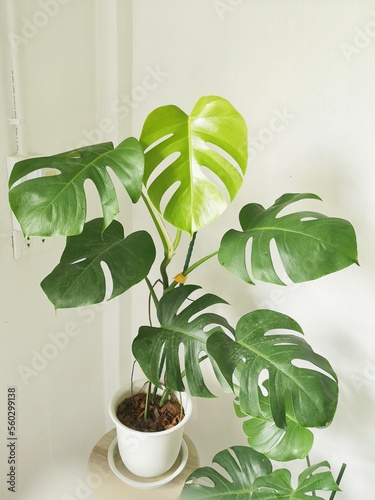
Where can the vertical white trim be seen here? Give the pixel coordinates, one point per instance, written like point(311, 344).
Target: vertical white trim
point(18, 118)
point(124, 28)
point(113, 39)
point(106, 91)
point(106, 64)
point(111, 358)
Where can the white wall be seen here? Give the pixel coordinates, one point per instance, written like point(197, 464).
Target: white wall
point(314, 63)
point(73, 62)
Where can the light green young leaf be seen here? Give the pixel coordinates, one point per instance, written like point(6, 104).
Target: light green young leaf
point(178, 147)
point(293, 442)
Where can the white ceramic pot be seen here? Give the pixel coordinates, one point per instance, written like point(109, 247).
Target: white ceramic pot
point(148, 454)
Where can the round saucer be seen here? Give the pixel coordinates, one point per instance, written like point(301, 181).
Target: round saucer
point(118, 468)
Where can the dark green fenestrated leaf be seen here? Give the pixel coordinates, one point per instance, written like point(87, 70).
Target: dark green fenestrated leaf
point(312, 389)
point(310, 244)
point(278, 485)
point(251, 478)
point(242, 464)
point(213, 136)
point(79, 279)
point(293, 442)
point(55, 205)
point(179, 328)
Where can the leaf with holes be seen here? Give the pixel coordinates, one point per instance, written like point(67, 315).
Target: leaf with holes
point(249, 476)
point(187, 327)
point(79, 279)
point(311, 390)
point(55, 205)
point(292, 443)
point(177, 149)
point(242, 464)
point(310, 244)
point(278, 484)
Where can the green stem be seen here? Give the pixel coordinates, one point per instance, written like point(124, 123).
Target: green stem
point(165, 239)
point(200, 262)
point(164, 236)
point(167, 259)
point(189, 252)
point(145, 414)
point(163, 271)
point(309, 465)
point(161, 366)
point(167, 391)
point(166, 285)
point(192, 268)
point(338, 480)
point(183, 374)
point(152, 296)
point(152, 292)
point(177, 239)
point(165, 396)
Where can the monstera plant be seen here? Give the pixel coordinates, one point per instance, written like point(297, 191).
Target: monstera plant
point(186, 169)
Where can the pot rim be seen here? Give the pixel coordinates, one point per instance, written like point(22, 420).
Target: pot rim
point(121, 392)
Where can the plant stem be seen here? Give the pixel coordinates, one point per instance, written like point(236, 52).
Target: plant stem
point(205, 356)
point(145, 414)
point(162, 230)
point(200, 262)
point(132, 377)
point(189, 252)
point(161, 366)
point(192, 267)
point(167, 259)
point(152, 296)
point(309, 465)
point(167, 391)
point(165, 396)
point(338, 480)
point(177, 239)
point(165, 281)
point(152, 292)
point(163, 271)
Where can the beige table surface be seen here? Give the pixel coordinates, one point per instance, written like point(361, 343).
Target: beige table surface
point(107, 486)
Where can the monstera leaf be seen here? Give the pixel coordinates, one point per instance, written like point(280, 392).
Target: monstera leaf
point(293, 442)
point(177, 149)
point(251, 478)
point(79, 279)
point(310, 244)
point(311, 390)
point(178, 328)
point(243, 466)
point(277, 485)
point(55, 205)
